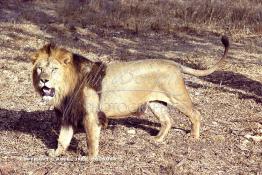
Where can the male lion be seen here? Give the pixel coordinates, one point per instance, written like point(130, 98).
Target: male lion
point(88, 92)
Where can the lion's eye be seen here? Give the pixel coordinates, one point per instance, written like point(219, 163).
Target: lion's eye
point(54, 69)
point(38, 70)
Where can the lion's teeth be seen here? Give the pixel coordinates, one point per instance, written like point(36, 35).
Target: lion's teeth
point(46, 91)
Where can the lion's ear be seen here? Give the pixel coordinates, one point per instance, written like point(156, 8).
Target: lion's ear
point(34, 56)
point(48, 48)
point(67, 58)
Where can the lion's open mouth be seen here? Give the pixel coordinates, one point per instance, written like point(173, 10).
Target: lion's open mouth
point(46, 91)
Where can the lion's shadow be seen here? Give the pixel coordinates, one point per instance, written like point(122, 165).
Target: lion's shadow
point(41, 124)
point(44, 125)
point(234, 83)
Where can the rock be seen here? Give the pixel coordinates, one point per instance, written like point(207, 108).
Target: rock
point(131, 131)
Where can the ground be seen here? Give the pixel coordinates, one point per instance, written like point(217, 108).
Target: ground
point(230, 101)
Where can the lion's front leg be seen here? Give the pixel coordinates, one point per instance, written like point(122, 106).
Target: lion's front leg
point(64, 139)
point(92, 128)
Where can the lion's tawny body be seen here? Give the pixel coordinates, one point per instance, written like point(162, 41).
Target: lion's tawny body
point(85, 92)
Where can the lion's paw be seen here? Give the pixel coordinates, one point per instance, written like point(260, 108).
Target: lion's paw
point(54, 152)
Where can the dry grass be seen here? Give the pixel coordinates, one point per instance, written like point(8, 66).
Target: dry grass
point(167, 16)
point(230, 100)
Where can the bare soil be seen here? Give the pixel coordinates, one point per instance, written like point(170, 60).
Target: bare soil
point(230, 101)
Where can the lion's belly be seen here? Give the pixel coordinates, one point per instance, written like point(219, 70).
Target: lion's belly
point(121, 103)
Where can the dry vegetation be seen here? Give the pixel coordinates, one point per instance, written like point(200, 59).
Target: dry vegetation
point(167, 16)
point(230, 100)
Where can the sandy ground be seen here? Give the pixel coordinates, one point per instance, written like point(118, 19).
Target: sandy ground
point(230, 102)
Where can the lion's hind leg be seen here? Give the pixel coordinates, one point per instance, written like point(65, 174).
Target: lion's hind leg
point(161, 112)
point(186, 107)
point(180, 99)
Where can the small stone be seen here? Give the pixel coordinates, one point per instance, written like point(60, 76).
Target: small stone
point(214, 123)
point(131, 131)
point(255, 138)
point(197, 93)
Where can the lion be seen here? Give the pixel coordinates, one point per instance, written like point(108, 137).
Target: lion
point(87, 92)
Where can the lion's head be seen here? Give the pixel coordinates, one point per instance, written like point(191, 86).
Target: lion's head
point(54, 73)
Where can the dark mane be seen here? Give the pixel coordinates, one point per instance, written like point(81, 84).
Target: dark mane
point(91, 74)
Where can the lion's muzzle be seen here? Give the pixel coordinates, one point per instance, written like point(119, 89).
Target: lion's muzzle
point(46, 91)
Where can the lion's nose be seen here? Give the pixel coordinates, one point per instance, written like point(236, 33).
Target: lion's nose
point(44, 80)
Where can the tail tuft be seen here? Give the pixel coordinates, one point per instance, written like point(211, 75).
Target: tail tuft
point(225, 41)
point(212, 69)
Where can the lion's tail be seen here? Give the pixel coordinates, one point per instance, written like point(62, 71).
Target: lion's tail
point(212, 69)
